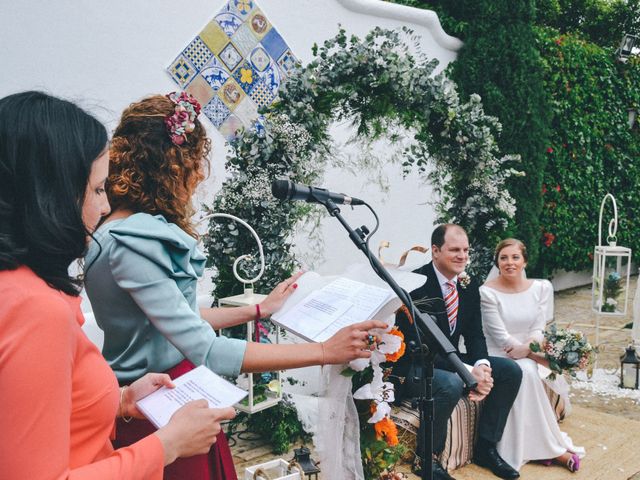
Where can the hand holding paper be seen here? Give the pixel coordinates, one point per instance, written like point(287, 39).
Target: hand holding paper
point(316, 312)
point(198, 384)
point(192, 430)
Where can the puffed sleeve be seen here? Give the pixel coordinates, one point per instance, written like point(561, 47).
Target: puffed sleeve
point(37, 349)
point(545, 310)
point(141, 270)
point(492, 322)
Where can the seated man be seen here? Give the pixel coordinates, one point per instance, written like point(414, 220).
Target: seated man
point(456, 305)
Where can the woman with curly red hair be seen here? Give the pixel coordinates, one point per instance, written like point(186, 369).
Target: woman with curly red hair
point(142, 270)
point(59, 397)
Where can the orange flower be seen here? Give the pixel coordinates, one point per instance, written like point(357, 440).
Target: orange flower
point(386, 429)
point(393, 357)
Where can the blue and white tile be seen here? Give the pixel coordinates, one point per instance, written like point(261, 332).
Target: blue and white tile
point(261, 94)
point(260, 59)
point(288, 63)
point(246, 77)
point(242, 8)
point(216, 111)
point(229, 22)
point(198, 53)
point(215, 75)
point(271, 77)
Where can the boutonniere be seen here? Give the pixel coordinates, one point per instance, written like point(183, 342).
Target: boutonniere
point(464, 280)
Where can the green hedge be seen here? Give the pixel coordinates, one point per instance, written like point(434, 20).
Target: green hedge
point(500, 62)
point(592, 150)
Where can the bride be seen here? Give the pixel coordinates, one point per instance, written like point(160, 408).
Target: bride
point(515, 311)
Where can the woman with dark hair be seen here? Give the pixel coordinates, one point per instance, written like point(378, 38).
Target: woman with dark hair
point(515, 312)
point(144, 265)
point(59, 397)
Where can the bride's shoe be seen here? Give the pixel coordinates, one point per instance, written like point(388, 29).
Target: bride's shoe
point(573, 464)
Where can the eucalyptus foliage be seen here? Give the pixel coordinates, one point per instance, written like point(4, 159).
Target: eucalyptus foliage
point(387, 89)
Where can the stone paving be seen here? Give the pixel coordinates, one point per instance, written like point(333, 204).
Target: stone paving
point(572, 307)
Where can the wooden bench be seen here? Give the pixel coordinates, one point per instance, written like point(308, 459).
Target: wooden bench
point(462, 429)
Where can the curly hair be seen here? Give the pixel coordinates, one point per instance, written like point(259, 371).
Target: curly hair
point(148, 172)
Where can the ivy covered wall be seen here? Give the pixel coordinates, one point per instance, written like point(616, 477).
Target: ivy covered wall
point(548, 71)
point(592, 150)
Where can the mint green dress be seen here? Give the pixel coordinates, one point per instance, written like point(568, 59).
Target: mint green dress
point(140, 276)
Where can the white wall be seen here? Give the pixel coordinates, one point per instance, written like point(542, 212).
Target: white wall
point(107, 54)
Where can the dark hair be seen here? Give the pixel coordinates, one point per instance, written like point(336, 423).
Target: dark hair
point(47, 148)
point(508, 242)
point(437, 237)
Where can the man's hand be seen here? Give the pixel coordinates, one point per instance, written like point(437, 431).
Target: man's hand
point(482, 374)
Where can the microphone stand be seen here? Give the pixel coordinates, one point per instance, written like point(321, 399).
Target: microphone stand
point(438, 342)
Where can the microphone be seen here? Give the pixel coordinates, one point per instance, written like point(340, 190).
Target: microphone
point(287, 190)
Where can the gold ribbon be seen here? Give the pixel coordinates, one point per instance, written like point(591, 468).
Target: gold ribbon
point(403, 258)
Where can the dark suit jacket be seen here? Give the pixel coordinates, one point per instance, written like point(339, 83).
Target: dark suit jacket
point(469, 323)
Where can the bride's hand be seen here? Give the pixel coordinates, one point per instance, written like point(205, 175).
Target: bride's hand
point(518, 351)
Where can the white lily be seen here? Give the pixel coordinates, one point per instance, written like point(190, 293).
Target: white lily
point(389, 344)
point(380, 392)
point(382, 410)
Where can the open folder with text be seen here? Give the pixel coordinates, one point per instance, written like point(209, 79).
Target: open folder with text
point(320, 307)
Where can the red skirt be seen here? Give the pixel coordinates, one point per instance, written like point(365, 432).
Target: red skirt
point(216, 465)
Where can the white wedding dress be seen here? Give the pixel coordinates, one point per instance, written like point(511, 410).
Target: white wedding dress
point(531, 432)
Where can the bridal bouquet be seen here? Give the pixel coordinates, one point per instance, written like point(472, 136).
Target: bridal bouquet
point(567, 350)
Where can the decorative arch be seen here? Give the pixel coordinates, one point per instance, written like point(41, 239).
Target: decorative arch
point(385, 86)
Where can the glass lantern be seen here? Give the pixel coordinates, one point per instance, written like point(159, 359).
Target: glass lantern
point(264, 388)
point(302, 456)
point(611, 270)
point(629, 366)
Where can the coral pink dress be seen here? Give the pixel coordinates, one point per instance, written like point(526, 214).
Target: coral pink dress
point(59, 397)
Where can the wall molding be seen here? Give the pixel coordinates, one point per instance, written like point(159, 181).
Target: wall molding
point(425, 18)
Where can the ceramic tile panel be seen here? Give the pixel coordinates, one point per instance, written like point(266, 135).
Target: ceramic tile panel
point(235, 66)
point(201, 90)
point(182, 71)
point(246, 77)
point(215, 74)
point(198, 53)
point(244, 40)
point(231, 94)
point(216, 111)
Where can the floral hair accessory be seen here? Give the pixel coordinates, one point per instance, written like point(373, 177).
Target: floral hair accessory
point(182, 121)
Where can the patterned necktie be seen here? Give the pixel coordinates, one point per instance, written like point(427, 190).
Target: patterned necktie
point(451, 304)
